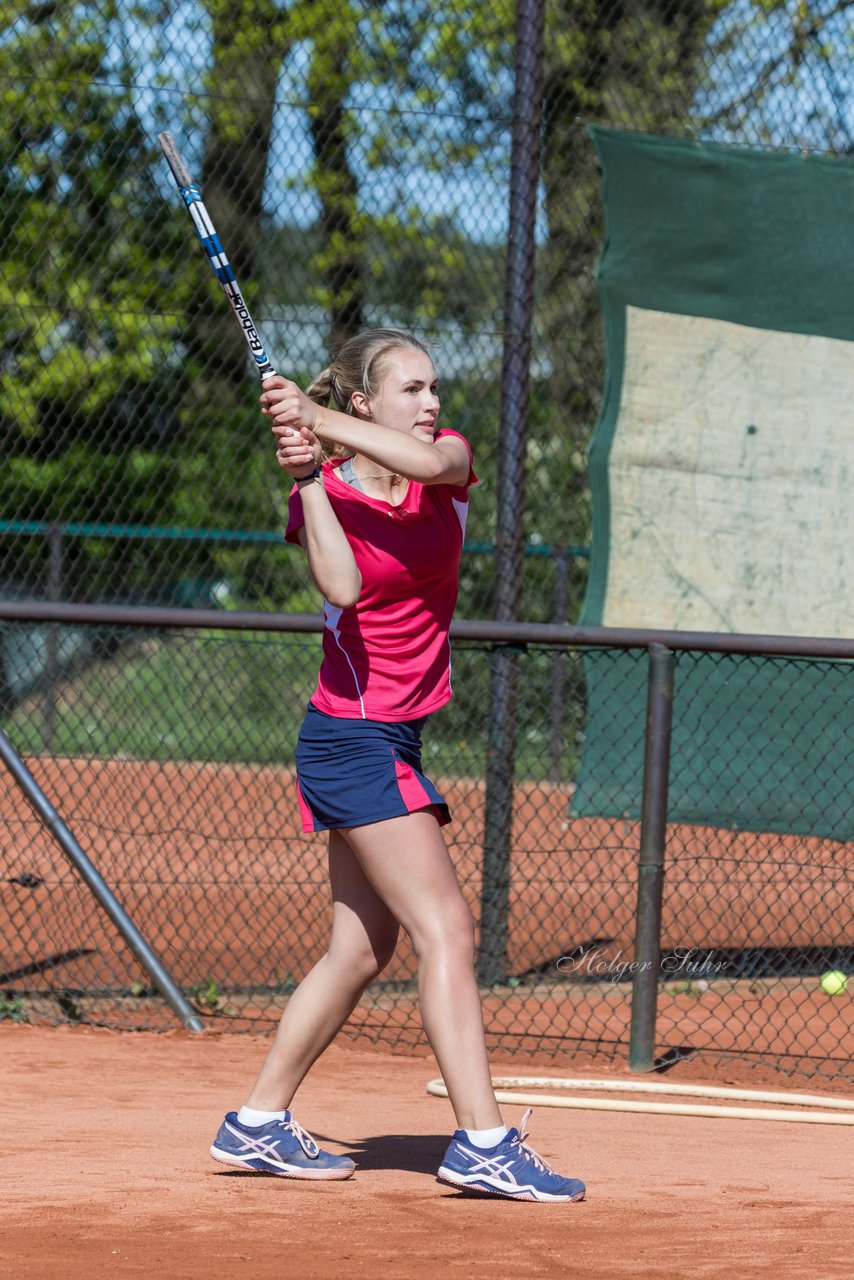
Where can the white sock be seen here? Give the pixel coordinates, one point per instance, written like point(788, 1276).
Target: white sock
point(253, 1118)
point(487, 1137)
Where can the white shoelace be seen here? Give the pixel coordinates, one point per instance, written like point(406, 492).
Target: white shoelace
point(302, 1136)
point(529, 1152)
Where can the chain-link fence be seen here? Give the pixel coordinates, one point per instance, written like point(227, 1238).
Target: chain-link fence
point(170, 755)
point(357, 161)
point(356, 158)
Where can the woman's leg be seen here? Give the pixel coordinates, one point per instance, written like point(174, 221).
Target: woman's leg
point(407, 862)
point(364, 936)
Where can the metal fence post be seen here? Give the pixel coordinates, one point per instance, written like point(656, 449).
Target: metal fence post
point(515, 377)
point(562, 562)
point(102, 893)
point(647, 957)
point(51, 670)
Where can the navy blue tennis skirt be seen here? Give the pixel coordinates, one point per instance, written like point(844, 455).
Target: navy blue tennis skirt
point(352, 772)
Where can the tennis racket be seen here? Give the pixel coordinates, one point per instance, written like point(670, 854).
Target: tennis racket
point(206, 230)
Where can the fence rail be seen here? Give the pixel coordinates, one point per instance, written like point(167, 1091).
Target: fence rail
point(511, 633)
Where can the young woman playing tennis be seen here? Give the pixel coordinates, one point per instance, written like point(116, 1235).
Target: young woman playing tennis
point(382, 525)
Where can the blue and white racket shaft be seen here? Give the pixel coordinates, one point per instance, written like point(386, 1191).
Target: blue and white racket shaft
point(206, 231)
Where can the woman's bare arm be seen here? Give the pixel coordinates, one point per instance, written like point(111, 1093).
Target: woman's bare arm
point(445, 462)
point(330, 556)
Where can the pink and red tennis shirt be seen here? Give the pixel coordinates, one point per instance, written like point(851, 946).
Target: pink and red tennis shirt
point(388, 656)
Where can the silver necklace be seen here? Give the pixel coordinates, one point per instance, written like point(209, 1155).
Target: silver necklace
point(351, 476)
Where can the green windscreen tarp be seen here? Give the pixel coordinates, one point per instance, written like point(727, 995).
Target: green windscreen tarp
point(722, 472)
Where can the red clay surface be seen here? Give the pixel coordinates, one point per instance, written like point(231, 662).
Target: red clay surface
point(107, 1174)
point(211, 864)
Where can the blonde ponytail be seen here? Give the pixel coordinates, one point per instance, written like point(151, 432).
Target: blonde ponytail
point(321, 389)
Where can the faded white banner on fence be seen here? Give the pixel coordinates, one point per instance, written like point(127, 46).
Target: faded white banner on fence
point(731, 478)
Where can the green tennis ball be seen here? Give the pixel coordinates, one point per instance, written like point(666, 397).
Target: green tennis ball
point(834, 982)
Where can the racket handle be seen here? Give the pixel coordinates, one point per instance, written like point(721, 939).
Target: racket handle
point(180, 172)
point(218, 258)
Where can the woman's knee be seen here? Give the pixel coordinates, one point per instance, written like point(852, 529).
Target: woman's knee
point(450, 932)
point(362, 959)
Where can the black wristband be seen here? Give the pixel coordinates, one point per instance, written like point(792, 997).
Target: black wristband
point(312, 475)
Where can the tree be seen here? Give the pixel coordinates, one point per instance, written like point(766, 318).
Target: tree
point(246, 58)
point(83, 360)
point(123, 378)
point(340, 260)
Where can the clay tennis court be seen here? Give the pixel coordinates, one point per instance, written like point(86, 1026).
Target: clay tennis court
point(107, 1174)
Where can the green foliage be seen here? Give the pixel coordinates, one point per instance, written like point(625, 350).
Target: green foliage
point(12, 1008)
point(215, 697)
point(237, 699)
point(78, 220)
point(69, 1006)
point(124, 394)
point(206, 994)
point(87, 374)
point(109, 412)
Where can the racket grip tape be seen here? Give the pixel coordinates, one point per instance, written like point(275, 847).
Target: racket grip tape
point(180, 172)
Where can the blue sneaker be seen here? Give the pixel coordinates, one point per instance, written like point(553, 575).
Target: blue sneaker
point(509, 1169)
point(281, 1147)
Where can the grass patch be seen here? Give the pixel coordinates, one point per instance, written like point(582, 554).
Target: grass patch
point(177, 696)
point(222, 697)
